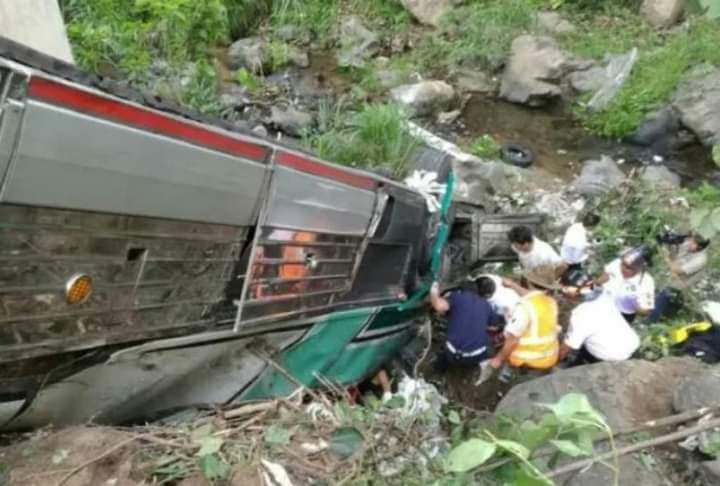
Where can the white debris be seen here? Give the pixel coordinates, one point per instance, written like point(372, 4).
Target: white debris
point(274, 474)
point(314, 447)
point(712, 309)
point(318, 412)
point(426, 184)
point(421, 398)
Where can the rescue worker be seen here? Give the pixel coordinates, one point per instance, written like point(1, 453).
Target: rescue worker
point(469, 317)
point(534, 254)
point(576, 242)
point(531, 336)
point(503, 299)
point(597, 330)
point(628, 282)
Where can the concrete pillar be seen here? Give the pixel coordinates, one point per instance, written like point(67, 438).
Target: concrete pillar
point(37, 24)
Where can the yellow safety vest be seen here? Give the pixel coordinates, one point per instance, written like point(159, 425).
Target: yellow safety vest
point(538, 347)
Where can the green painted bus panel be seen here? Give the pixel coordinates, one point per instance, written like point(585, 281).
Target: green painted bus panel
point(393, 315)
point(314, 354)
point(359, 360)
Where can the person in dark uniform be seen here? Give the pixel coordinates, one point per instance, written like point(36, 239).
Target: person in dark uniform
point(469, 317)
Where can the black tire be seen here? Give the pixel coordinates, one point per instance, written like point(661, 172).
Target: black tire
point(517, 155)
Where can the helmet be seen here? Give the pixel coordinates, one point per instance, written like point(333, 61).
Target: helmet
point(638, 258)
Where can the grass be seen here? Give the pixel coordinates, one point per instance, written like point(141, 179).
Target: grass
point(655, 78)
point(485, 147)
point(486, 30)
point(374, 137)
point(122, 39)
point(315, 16)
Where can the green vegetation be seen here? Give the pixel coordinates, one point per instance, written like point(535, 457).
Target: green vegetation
point(485, 147)
point(656, 76)
point(248, 80)
point(315, 16)
point(374, 137)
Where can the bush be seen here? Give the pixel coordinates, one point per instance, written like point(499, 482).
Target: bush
point(125, 36)
point(374, 137)
point(244, 16)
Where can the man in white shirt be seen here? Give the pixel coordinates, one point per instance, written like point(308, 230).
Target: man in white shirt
point(503, 299)
point(597, 330)
point(576, 245)
point(536, 256)
point(628, 282)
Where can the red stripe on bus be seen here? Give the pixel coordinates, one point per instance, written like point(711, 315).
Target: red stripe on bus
point(304, 164)
point(92, 104)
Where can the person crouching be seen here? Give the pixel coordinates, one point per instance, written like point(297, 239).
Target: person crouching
point(469, 317)
point(531, 336)
point(597, 330)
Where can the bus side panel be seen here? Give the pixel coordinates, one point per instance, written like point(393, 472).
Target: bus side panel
point(67, 159)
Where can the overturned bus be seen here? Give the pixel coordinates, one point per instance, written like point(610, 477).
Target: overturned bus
point(152, 259)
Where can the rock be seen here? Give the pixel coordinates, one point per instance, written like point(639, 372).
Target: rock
point(657, 130)
point(697, 101)
point(553, 23)
point(357, 43)
point(425, 97)
point(298, 57)
point(701, 390)
point(472, 81)
point(234, 96)
point(619, 391)
point(290, 120)
point(448, 117)
point(251, 53)
point(260, 130)
point(662, 13)
point(428, 12)
point(710, 470)
point(589, 80)
point(598, 177)
point(660, 177)
point(533, 72)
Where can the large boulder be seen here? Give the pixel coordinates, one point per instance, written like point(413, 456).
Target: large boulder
point(424, 98)
point(660, 177)
point(428, 12)
point(625, 393)
point(662, 13)
point(550, 22)
point(697, 101)
point(251, 53)
point(533, 73)
point(701, 390)
point(357, 43)
point(598, 177)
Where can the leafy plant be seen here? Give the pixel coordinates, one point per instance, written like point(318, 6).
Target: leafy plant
point(485, 147)
point(248, 80)
point(570, 429)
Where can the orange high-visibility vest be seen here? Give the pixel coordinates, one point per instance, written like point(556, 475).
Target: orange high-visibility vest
point(538, 347)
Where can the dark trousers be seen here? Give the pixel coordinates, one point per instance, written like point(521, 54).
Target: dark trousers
point(584, 357)
point(667, 302)
point(447, 359)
